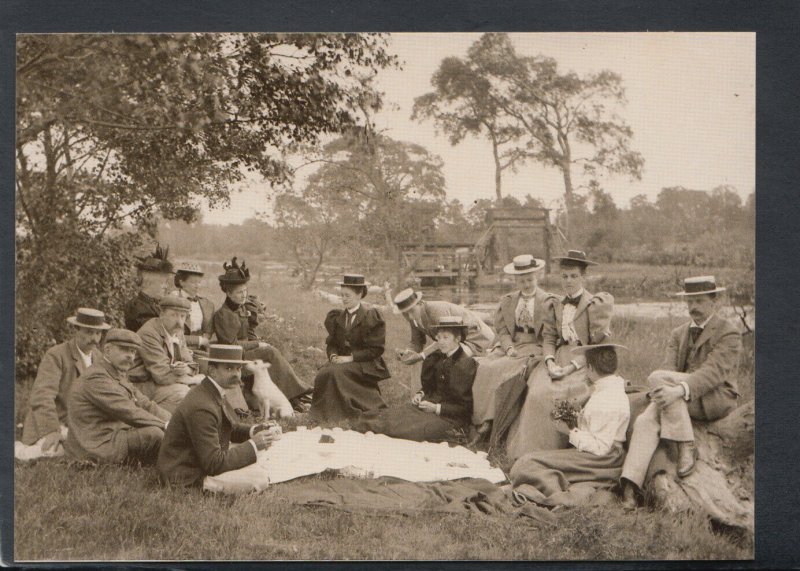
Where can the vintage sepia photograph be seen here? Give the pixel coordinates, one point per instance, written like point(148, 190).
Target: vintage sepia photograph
point(385, 296)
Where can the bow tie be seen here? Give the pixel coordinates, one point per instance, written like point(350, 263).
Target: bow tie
point(572, 301)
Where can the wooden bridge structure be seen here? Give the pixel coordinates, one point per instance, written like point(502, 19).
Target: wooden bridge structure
point(509, 232)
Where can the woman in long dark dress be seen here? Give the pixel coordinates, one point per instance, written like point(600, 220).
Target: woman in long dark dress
point(235, 323)
point(348, 385)
point(443, 408)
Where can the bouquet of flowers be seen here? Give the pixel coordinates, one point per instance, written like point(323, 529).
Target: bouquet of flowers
point(567, 411)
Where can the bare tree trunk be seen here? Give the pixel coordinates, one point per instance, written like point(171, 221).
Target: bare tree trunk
point(566, 171)
point(498, 169)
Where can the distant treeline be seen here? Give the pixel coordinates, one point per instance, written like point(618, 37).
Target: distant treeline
point(680, 227)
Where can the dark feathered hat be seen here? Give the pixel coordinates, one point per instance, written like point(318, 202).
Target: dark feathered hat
point(235, 274)
point(158, 261)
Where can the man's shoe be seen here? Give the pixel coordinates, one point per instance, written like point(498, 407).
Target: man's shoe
point(687, 458)
point(629, 501)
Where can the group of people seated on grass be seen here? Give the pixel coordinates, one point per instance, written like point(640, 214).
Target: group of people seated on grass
point(174, 387)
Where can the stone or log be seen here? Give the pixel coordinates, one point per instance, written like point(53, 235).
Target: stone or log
point(722, 484)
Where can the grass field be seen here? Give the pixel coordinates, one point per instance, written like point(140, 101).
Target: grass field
point(64, 511)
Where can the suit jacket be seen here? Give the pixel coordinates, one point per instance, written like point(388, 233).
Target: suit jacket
point(140, 310)
point(365, 339)
point(197, 440)
point(47, 404)
point(235, 325)
point(592, 321)
point(102, 403)
point(712, 365)
point(479, 335)
point(153, 360)
point(451, 386)
point(505, 318)
point(207, 325)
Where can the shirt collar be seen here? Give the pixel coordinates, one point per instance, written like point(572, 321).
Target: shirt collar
point(576, 295)
point(219, 388)
point(86, 357)
point(453, 352)
point(356, 308)
point(702, 325)
point(528, 297)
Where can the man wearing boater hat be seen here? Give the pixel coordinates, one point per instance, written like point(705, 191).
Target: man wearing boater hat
point(423, 316)
point(697, 380)
point(153, 274)
point(109, 419)
point(60, 366)
point(165, 367)
point(197, 441)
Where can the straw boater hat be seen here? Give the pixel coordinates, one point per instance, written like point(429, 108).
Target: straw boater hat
point(407, 299)
point(189, 268)
point(576, 256)
point(452, 322)
point(174, 302)
point(225, 354)
point(524, 264)
point(156, 262)
point(355, 281)
point(124, 338)
point(235, 274)
point(585, 348)
point(699, 285)
point(89, 318)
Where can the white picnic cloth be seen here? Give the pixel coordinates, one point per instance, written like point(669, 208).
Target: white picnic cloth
point(31, 452)
point(369, 455)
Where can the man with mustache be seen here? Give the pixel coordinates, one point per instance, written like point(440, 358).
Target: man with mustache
point(46, 419)
point(110, 421)
point(697, 380)
point(165, 367)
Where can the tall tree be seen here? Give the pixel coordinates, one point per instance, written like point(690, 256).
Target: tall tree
point(462, 104)
point(568, 120)
point(396, 189)
point(113, 130)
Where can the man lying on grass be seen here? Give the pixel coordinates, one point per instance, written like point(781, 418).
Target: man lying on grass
point(197, 442)
point(110, 420)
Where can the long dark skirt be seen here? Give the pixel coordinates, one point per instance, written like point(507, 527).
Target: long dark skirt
point(545, 476)
point(281, 372)
point(407, 422)
point(344, 390)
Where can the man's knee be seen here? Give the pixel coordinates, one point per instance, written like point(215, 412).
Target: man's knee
point(151, 434)
point(648, 420)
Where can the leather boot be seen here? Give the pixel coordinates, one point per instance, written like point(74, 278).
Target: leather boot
point(629, 500)
point(687, 458)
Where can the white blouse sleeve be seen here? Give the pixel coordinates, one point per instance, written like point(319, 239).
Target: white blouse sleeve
point(598, 437)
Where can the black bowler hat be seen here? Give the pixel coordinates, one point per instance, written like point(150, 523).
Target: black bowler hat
point(89, 318)
point(577, 257)
point(355, 281)
point(699, 285)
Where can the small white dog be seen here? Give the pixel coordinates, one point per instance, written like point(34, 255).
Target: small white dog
point(270, 398)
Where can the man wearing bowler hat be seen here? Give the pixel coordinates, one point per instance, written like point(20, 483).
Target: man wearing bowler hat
point(423, 316)
point(61, 365)
point(165, 367)
point(110, 420)
point(697, 380)
point(197, 441)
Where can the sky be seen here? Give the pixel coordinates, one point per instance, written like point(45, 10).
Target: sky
point(691, 105)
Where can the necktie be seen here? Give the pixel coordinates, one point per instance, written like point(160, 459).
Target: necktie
point(349, 320)
point(574, 301)
point(694, 333)
point(176, 351)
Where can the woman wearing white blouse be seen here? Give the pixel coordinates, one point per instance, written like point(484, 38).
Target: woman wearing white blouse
point(596, 455)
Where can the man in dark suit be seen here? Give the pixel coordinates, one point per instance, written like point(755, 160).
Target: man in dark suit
point(197, 441)
point(60, 366)
point(696, 381)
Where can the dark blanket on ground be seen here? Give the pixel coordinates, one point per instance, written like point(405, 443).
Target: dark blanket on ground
point(464, 496)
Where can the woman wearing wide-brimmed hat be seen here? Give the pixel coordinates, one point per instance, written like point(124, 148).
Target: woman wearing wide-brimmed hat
point(518, 324)
point(348, 385)
point(579, 318)
point(200, 323)
point(235, 323)
point(443, 408)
